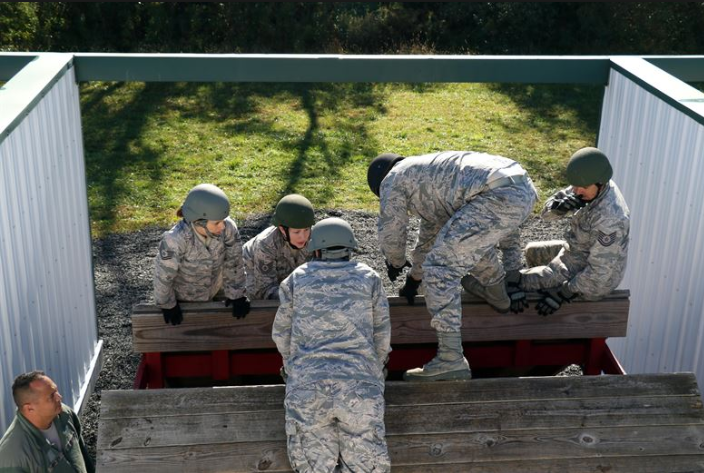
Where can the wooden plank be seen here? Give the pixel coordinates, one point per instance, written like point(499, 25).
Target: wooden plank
point(209, 325)
point(448, 448)
point(634, 464)
point(603, 423)
point(155, 402)
point(182, 427)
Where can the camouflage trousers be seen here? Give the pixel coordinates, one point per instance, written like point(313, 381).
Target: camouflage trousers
point(336, 426)
point(546, 268)
point(467, 244)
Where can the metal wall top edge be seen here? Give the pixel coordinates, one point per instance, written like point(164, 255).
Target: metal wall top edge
point(340, 68)
point(26, 88)
point(663, 85)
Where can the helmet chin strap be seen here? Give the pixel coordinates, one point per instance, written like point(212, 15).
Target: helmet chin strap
point(287, 237)
point(204, 225)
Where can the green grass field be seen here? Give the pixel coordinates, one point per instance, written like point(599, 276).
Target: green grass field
point(148, 144)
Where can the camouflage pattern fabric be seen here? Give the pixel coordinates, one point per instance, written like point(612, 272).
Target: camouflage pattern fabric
point(185, 270)
point(268, 259)
point(594, 260)
point(333, 331)
point(339, 424)
point(463, 222)
point(540, 253)
point(434, 187)
point(336, 327)
point(467, 238)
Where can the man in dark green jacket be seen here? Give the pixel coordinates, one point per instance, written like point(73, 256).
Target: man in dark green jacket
point(46, 434)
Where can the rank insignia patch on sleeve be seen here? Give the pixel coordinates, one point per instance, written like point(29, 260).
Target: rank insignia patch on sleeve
point(606, 240)
point(165, 252)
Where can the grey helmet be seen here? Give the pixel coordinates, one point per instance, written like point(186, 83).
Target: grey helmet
point(334, 237)
point(205, 202)
point(588, 166)
point(294, 211)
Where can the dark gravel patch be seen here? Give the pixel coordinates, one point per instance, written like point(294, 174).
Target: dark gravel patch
point(123, 277)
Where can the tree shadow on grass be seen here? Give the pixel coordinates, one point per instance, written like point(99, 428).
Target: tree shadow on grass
point(551, 109)
point(114, 148)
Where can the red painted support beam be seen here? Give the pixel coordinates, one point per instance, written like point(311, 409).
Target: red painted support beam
point(155, 370)
point(592, 354)
point(597, 348)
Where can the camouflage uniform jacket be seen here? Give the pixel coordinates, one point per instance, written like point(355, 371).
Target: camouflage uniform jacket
point(186, 270)
point(432, 187)
point(269, 259)
point(332, 324)
point(597, 241)
point(24, 449)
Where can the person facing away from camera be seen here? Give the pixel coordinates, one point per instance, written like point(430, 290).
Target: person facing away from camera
point(333, 331)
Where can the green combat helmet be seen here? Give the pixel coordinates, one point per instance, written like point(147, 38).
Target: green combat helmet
point(205, 202)
point(333, 237)
point(379, 168)
point(588, 166)
point(294, 211)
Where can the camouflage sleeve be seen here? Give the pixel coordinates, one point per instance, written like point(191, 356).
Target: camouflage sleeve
point(165, 270)
point(281, 328)
point(233, 272)
point(548, 214)
point(604, 264)
point(427, 234)
point(511, 251)
point(382, 321)
point(393, 225)
point(265, 282)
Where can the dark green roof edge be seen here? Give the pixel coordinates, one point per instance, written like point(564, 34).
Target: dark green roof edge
point(340, 68)
point(26, 88)
point(663, 85)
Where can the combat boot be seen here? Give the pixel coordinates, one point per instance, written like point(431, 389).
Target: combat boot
point(449, 363)
point(495, 295)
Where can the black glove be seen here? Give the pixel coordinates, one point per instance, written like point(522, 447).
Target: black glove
point(240, 307)
point(409, 289)
point(515, 293)
point(284, 374)
point(394, 272)
point(568, 203)
point(553, 298)
point(173, 315)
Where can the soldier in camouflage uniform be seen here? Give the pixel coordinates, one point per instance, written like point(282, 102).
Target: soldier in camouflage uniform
point(467, 202)
point(592, 260)
point(200, 256)
point(333, 331)
point(271, 255)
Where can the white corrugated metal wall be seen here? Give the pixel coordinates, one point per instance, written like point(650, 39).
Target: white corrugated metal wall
point(658, 155)
point(47, 301)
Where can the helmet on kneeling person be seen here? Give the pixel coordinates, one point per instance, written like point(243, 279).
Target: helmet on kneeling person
point(333, 237)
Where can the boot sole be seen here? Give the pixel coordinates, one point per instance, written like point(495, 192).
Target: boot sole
point(460, 375)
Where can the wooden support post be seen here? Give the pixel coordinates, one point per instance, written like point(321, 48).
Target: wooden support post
point(155, 370)
point(221, 364)
point(595, 355)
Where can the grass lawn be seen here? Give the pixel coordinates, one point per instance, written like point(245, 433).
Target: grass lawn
point(148, 144)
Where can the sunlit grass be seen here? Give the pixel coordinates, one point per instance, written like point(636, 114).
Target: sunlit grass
point(148, 144)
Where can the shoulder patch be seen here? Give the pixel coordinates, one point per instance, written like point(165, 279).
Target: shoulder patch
point(606, 240)
point(165, 252)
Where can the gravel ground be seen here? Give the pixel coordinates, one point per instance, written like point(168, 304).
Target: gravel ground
point(123, 277)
